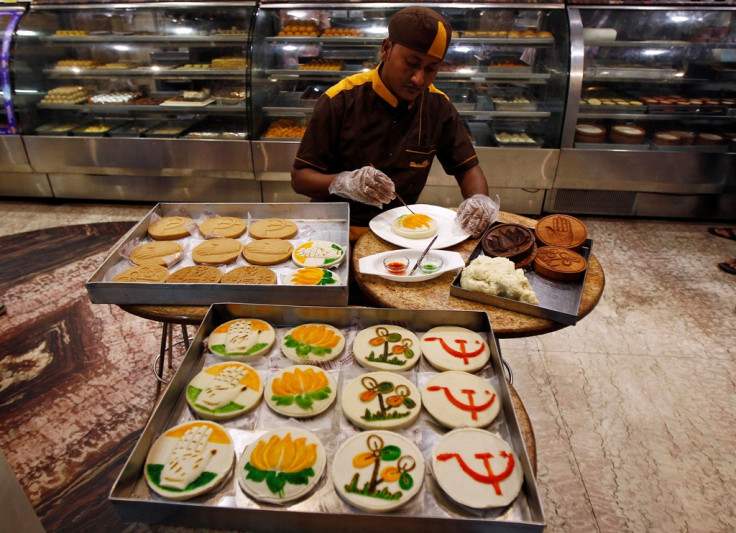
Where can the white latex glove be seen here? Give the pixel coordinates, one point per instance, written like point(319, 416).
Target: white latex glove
point(366, 185)
point(476, 213)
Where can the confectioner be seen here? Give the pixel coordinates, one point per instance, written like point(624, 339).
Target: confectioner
point(330, 266)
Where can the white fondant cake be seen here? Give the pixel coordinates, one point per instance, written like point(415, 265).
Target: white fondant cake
point(386, 347)
point(300, 391)
point(242, 338)
point(381, 400)
point(476, 468)
point(224, 390)
point(189, 460)
point(282, 465)
point(323, 254)
point(317, 343)
point(459, 399)
point(455, 348)
point(414, 226)
point(378, 471)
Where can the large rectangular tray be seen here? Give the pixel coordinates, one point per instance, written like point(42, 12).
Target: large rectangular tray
point(316, 221)
point(324, 511)
point(558, 300)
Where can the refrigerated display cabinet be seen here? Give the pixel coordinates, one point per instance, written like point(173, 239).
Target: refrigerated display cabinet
point(650, 127)
point(506, 72)
point(16, 175)
point(137, 101)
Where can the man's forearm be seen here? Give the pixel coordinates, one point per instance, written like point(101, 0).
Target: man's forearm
point(472, 181)
point(311, 183)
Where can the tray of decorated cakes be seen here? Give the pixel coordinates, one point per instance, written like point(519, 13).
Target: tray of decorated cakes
point(198, 254)
point(288, 418)
point(538, 271)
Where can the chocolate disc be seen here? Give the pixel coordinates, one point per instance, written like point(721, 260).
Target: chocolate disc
point(561, 230)
point(559, 263)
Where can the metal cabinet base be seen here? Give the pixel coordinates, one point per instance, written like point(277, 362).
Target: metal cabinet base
point(25, 184)
point(641, 204)
point(154, 188)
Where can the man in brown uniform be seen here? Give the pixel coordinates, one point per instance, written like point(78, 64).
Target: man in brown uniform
point(375, 133)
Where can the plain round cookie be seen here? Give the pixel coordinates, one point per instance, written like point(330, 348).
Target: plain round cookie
point(282, 465)
point(300, 391)
point(253, 275)
point(143, 274)
point(314, 343)
point(459, 399)
point(477, 469)
point(273, 228)
point(170, 228)
point(196, 274)
point(378, 471)
point(381, 400)
point(242, 338)
point(224, 390)
point(414, 226)
point(218, 251)
point(455, 348)
point(228, 227)
point(189, 460)
point(267, 251)
point(387, 347)
point(161, 253)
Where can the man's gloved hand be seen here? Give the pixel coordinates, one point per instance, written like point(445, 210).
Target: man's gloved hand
point(476, 213)
point(366, 185)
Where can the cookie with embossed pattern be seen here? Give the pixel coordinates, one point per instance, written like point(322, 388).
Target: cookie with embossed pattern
point(216, 251)
point(170, 228)
point(273, 228)
point(162, 253)
point(253, 275)
point(143, 274)
point(228, 227)
point(267, 251)
point(196, 274)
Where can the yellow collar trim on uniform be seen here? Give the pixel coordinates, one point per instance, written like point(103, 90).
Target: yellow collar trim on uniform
point(381, 89)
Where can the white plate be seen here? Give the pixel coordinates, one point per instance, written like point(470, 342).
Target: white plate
point(373, 264)
point(448, 232)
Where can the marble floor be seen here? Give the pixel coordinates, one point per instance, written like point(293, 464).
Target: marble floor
point(634, 408)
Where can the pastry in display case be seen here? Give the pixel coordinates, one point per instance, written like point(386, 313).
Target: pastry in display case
point(503, 64)
point(650, 72)
point(130, 63)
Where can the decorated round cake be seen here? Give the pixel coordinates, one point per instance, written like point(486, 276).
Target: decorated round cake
point(189, 460)
point(381, 400)
point(282, 465)
point(314, 343)
point(378, 471)
point(455, 348)
point(414, 226)
point(477, 469)
point(171, 228)
point(323, 254)
point(312, 276)
point(224, 390)
point(300, 391)
point(459, 399)
point(242, 338)
point(386, 347)
point(561, 230)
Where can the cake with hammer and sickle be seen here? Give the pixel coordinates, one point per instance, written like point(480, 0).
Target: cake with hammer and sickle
point(455, 348)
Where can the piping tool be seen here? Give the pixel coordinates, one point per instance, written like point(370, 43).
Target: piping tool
point(423, 254)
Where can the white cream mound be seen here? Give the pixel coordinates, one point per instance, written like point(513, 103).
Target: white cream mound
point(414, 226)
point(477, 469)
point(498, 276)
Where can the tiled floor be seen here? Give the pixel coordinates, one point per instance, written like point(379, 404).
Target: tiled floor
point(634, 408)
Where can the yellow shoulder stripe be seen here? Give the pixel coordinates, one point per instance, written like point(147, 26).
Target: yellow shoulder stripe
point(349, 83)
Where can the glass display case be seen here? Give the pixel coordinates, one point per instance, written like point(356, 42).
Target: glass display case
point(505, 71)
point(135, 88)
point(652, 105)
